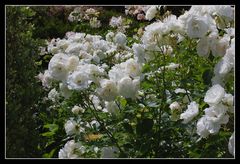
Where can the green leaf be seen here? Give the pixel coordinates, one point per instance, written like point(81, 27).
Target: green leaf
point(153, 104)
point(123, 102)
point(39, 63)
point(146, 68)
point(49, 155)
point(194, 154)
point(51, 127)
point(146, 85)
point(47, 57)
point(47, 134)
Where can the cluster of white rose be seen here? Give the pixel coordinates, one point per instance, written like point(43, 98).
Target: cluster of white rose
point(119, 84)
point(119, 23)
point(138, 11)
point(190, 113)
point(79, 61)
point(203, 24)
point(71, 150)
point(220, 104)
point(84, 13)
point(143, 12)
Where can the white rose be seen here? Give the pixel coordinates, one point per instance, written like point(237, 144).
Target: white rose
point(214, 95)
point(229, 57)
point(96, 101)
point(231, 144)
point(175, 106)
point(108, 90)
point(71, 127)
point(197, 26)
point(201, 127)
point(225, 11)
point(139, 52)
point(95, 23)
point(117, 72)
point(96, 58)
point(74, 48)
point(45, 78)
point(71, 150)
point(171, 66)
point(217, 114)
point(65, 92)
point(109, 152)
point(53, 49)
point(57, 66)
point(72, 63)
point(63, 44)
point(111, 107)
point(222, 68)
point(120, 39)
point(151, 12)
point(116, 21)
point(190, 113)
point(219, 46)
point(167, 49)
point(173, 24)
point(76, 109)
point(127, 87)
point(228, 99)
point(212, 127)
point(95, 123)
point(203, 48)
point(78, 80)
point(132, 68)
point(53, 95)
point(101, 50)
point(230, 32)
point(152, 32)
point(94, 72)
point(110, 36)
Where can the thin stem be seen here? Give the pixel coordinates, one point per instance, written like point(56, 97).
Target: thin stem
point(163, 101)
point(159, 113)
point(187, 94)
point(110, 135)
point(118, 105)
point(163, 79)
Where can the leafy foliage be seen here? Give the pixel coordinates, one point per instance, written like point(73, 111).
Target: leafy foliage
point(22, 89)
point(142, 127)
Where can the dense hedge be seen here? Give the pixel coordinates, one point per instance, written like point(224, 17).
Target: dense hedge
point(22, 89)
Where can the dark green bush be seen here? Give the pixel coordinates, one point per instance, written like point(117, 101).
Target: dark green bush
point(22, 89)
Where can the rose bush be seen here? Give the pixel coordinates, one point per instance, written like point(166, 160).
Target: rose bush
point(141, 84)
point(168, 94)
